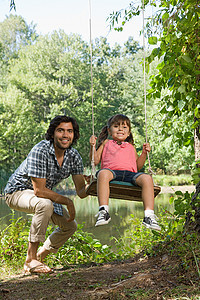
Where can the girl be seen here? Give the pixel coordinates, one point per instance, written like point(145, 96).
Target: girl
point(119, 161)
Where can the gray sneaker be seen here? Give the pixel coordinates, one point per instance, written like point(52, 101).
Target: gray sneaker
point(103, 217)
point(151, 223)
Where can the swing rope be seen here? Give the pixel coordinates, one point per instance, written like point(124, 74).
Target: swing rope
point(145, 94)
point(145, 98)
point(93, 171)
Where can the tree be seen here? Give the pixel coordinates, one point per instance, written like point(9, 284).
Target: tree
point(15, 33)
point(178, 24)
point(19, 131)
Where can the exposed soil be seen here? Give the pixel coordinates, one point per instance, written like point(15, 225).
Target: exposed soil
point(141, 278)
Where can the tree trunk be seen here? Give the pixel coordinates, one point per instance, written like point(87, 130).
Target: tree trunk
point(197, 193)
point(196, 197)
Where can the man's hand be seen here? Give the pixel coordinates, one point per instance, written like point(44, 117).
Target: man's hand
point(71, 210)
point(79, 182)
point(40, 190)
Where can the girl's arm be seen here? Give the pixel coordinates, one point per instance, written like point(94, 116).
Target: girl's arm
point(98, 152)
point(140, 160)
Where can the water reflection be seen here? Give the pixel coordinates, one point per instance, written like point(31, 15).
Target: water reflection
point(120, 211)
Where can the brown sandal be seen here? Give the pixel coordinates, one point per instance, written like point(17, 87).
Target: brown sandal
point(37, 268)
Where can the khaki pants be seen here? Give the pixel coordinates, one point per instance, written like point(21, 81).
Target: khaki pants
point(43, 211)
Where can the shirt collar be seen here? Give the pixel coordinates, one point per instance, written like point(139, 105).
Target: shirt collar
point(122, 144)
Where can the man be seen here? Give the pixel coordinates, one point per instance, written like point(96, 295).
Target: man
point(29, 190)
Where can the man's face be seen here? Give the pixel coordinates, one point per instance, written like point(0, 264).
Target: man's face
point(63, 135)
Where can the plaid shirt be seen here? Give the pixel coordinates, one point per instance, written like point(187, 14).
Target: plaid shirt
point(41, 162)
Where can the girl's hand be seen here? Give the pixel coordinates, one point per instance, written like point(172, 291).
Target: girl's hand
point(93, 140)
point(146, 148)
point(87, 178)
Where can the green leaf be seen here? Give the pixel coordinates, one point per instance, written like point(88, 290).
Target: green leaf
point(171, 82)
point(187, 58)
point(178, 193)
point(181, 104)
point(181, 89)
point(170, 108)
point(165, 16)
point(195, 125)
point(171, 200)
point(152, 40)
point(187, 143)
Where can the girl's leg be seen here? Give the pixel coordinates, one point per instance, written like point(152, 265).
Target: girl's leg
point(103, 190)
point(146, 183)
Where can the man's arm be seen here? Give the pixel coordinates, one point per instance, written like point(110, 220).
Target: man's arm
point(80, 185)
point(40, 190)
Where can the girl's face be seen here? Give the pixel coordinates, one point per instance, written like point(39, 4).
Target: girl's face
point(119, 131)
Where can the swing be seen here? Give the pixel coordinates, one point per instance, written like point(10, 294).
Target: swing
point(119, 189)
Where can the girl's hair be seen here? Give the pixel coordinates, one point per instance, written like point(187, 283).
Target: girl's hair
point(62, 119)
point(113, 120)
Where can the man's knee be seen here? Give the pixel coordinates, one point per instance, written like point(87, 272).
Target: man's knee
point(72, 226)
point(45, 206)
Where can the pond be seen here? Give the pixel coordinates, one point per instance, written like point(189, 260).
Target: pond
point(120, 211)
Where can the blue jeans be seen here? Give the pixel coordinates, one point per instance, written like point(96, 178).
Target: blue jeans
point(126, 176)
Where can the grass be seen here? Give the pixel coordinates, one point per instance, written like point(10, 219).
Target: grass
point(173, 180)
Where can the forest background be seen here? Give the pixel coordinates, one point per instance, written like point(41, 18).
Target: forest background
point(42, 76)
point(46, 75)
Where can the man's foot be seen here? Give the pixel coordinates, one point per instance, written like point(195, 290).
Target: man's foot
point(36, 267)
point(151, 223)
point(42, 253)
point(103, 217)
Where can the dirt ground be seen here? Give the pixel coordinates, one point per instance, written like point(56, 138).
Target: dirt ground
point(142, 278)
point(153, 278)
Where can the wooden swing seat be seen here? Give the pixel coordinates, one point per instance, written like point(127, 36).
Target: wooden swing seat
point(121, 190)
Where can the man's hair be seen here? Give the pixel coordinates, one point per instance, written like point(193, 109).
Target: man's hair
point(60, 119)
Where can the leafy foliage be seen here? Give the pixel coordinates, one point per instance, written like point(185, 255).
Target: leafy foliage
point(81, 248)
point(175, 27)
point(13, 240)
